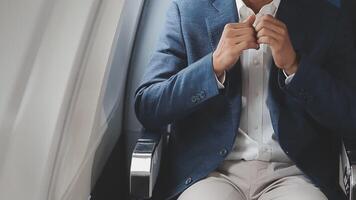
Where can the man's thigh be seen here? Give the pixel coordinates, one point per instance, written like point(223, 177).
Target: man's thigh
point(292, 188)
point(214, 187)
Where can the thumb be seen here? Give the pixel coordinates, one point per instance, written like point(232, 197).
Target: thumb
point(250, 20)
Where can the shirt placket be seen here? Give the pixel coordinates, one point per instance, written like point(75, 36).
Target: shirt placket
point(255, 119)
point(255, 96)
point(267, 128)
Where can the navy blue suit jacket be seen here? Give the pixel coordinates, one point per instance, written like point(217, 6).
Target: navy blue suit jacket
point(310, 115)
point(350, 6)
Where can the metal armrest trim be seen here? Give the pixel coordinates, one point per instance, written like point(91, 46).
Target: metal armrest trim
point(145, 167)
point(347, 173)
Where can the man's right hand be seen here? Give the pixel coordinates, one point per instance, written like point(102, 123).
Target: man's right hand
point(235, 38)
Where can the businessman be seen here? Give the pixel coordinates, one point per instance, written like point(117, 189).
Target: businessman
point(259, 93)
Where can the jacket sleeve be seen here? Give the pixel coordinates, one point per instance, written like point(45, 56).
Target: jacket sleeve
point(327, 88)
point(172, 89)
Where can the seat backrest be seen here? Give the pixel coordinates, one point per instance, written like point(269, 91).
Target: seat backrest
point(152, 21)
point(114, 181)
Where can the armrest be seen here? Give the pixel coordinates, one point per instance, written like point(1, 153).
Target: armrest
point(145, 164)
point(348, 170)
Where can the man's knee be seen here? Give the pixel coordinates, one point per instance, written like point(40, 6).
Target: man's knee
point(296, 195)
point(212, 188)
point(294, 189)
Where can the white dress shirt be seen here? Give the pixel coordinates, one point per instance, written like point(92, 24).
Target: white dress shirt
point(255, 139)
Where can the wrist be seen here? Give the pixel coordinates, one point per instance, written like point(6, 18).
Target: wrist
point(292, 68)
point(218, 70)
point(219, 74)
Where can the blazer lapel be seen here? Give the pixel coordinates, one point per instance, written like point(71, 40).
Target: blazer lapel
point(289, 12)
point(226, 12)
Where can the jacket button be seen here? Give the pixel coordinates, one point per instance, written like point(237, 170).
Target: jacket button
point(223, 152)
point(188, 181)
point(194, 99)
point(302, 92)
point(202, 94)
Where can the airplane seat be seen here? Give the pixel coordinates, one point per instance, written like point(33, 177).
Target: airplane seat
point(114, 179)
point(151, 23)
point(146, 147)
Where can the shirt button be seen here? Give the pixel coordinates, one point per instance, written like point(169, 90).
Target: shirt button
point(302, 92)
point(188, 181)
point(223, 152)
point(255, 62)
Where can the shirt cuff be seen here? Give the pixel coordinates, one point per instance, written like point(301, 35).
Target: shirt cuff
point(221, 83)
point(289, 78)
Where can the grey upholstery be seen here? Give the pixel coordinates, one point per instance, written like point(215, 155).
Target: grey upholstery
point(114, 96)
point(114, 181)
point(152, 20)
point(110, 172)
point(151, 23)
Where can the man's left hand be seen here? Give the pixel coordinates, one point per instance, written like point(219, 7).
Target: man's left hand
point(273, 32)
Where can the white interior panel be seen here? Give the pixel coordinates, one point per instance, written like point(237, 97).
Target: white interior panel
point(53, 59)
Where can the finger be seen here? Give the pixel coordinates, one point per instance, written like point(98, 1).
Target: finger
point(267, 40)
point(243, 38)
point(247, 23)
point(239, 32)
point(246, 31)
point(268, 24)
point(250, 20)
point(244, 46)
point(269, 32)
point(273, 20)
point(230, 26)
point(232, 42)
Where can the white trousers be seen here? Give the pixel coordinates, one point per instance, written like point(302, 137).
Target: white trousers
point(254, 180)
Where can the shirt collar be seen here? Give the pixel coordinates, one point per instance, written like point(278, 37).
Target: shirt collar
point(245, 11)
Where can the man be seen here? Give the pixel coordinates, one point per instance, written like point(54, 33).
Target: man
point(259, 94)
